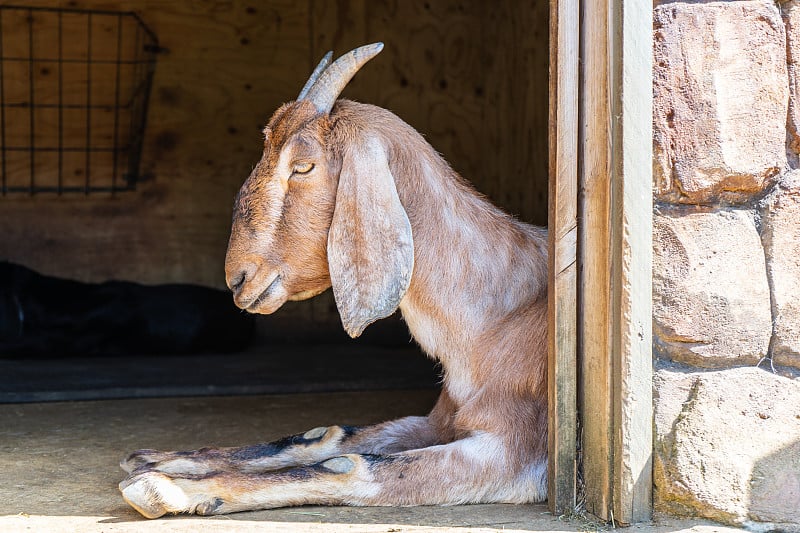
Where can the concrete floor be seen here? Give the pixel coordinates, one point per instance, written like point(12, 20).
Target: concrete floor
point(58, 465)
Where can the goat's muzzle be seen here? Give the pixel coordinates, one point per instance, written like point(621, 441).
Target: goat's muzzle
point(257, 289)
point(236, 276)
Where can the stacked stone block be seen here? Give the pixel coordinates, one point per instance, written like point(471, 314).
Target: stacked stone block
point(726, 272)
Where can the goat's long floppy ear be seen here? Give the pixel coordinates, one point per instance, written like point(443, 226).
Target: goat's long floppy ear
point(370, 246)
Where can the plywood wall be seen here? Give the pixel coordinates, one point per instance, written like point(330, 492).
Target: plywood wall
point(470, 75)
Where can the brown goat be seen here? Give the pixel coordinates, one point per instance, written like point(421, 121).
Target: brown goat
point(348, 195)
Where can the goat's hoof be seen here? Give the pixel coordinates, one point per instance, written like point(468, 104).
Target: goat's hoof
point(154, 494)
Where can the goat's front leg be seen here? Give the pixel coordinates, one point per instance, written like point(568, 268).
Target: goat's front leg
point(306, 448)
point(477, 469)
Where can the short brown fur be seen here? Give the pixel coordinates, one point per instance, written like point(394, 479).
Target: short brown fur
point(475, 301)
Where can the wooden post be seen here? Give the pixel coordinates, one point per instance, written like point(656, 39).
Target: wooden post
point(614, 259)
point(631, 267)
point(562, 223)
point(594, 263)
point(601, 213)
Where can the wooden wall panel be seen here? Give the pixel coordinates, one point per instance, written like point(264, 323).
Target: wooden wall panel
point(471, 77)
point(225, 67)
point(515, 114)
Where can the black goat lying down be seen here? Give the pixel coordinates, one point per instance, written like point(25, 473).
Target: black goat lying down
point(43, 316)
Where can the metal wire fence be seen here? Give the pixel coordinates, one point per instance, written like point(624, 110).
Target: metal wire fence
point(74, 90)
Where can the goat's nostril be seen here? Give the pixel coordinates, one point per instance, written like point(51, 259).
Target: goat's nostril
point(235, 283)
point(238, 274)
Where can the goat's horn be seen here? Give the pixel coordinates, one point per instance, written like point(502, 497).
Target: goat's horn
point(315, 75)
point(324, 92)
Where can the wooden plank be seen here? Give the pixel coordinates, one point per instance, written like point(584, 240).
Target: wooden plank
point(458, 70)
point(470, 76)
point(435, 62)
point(615, 259)
point(515, 106)
point(562, 285)
point(226, 66)
point(32, 67)
point(594, 260)
point(632, 259)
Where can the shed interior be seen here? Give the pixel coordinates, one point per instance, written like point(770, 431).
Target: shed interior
point(471, 76)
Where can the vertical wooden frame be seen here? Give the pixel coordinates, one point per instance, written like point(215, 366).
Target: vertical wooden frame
point(594, 262)
point(601, 215)
point(631, 266)
point(615, 258)
point(562, 224)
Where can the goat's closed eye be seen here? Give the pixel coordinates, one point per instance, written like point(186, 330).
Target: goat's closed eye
point(303, 168)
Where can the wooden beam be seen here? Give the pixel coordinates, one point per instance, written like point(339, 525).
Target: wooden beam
point(594, 260)
point(615, 250)
point(631, 239)
point(562, 223)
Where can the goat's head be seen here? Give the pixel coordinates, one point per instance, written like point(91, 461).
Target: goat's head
point(321, 208)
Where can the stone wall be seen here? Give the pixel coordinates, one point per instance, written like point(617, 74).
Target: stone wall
point(726, 272)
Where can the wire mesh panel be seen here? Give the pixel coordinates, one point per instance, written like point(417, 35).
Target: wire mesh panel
point(74, 88)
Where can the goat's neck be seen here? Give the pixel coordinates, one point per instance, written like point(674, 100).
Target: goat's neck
point(474, 265)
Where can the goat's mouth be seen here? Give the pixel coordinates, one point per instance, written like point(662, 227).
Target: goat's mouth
point(269, 300)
